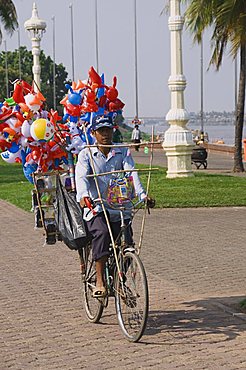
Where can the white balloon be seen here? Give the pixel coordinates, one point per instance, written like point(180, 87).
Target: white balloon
point(28, 99)
point(26, 128)
point(9, 157)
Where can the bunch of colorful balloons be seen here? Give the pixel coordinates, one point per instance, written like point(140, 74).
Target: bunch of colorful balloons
point(41, 139)
point(91, 97)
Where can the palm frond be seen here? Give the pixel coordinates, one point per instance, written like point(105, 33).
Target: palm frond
point(227, 18)
point(8, 17)
point(165, 9)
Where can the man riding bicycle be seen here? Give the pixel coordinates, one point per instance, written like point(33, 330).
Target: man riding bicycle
point(105, 159)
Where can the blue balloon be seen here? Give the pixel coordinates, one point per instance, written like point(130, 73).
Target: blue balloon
point(28, 170)
point(74, 97)
point(91, 138)
point(86, 117)
point(100, 91)
point(14, 147)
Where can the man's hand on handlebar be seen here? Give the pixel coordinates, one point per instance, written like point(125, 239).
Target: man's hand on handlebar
point(150, 202)
point(86, 202)
point(89, 203)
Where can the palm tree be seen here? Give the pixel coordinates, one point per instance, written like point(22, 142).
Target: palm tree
point(8, 17)
point(227, 18)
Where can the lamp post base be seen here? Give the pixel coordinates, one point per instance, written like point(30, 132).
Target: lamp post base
point(178, 145)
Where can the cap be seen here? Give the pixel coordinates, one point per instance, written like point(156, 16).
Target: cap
point(102, 121)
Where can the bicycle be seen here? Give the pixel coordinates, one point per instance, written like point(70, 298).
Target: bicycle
point(125, 280)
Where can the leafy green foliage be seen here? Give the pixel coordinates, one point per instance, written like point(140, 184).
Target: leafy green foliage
point(26, 74)
point(227, 20)
point(8, 17)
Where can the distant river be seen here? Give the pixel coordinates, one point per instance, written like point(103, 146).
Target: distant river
point(216, 131)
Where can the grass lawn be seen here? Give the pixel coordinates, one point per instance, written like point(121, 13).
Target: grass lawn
point(202, 190)
point(14, 187)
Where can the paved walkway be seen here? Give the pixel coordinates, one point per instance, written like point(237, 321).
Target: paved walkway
point(195, 259)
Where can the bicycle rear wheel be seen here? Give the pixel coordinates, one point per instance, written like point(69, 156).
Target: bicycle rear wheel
point(93, 306)
point(132, 297)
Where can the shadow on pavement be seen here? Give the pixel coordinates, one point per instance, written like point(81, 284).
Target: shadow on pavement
point(202, 321)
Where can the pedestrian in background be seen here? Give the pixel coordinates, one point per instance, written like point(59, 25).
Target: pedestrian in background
point(136, 137)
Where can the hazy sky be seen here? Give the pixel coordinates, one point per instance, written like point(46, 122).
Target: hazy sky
point(116, 52)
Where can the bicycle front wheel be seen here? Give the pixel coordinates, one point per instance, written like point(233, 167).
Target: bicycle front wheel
point(93, 306)
point(132, 297)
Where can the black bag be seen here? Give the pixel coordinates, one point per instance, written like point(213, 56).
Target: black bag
point(69, 218)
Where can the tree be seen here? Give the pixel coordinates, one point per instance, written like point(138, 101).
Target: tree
point(227, 18)
point(8, 17)
point(26, 67)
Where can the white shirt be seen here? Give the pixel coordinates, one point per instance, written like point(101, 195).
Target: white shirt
point(136, 134)
point(117, 159)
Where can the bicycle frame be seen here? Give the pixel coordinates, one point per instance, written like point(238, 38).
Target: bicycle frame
point(102, 203)
point(121, 269)
point(121, 247)
point(118, 247)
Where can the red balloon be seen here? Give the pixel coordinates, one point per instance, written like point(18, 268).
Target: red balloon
point(94, 76)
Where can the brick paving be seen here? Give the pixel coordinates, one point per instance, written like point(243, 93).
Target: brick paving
point(194, 259)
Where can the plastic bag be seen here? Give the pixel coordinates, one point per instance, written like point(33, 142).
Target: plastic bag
point(69, 218)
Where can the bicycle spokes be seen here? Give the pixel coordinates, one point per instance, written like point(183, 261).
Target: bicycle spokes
point(93, 306)
point(132, 297)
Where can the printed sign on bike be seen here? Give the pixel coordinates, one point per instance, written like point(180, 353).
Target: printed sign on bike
point(121, 190)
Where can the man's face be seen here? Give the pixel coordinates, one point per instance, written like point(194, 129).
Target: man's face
point(104, 135)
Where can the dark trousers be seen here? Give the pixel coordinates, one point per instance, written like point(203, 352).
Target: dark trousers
point(136, 141)
point(98, 229)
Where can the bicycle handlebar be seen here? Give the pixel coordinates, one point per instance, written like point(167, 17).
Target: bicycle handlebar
point(90, 204)
point(119, 207)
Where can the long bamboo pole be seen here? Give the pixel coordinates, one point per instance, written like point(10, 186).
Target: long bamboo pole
point(120, 171)
point(144, 143)
point(39, 202)
point(147, 193)
point(48, 173)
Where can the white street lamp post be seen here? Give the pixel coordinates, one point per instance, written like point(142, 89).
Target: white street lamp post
point(136, 55)
point(202, 111)
point(35, 27)
point(178, 141)
point(96, 31)
point(235, 92)
point(72, 43)
point(54, 62)
point(6, 69)
point(19, 53)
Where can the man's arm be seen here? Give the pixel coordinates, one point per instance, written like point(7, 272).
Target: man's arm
point(82, 169)
point(128, 164)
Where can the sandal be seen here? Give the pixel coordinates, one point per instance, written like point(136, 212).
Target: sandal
point(99, 292)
